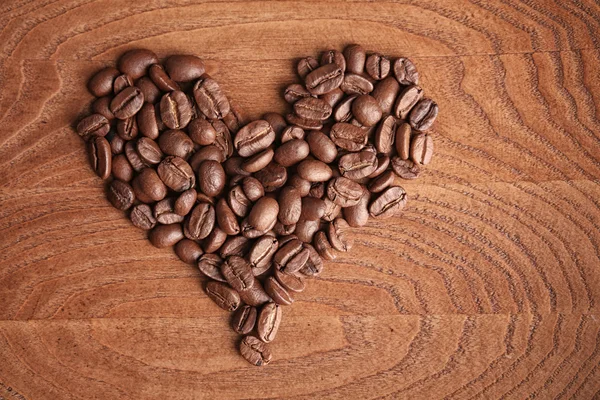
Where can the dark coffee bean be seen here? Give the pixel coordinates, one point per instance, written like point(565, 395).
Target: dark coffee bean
point(161, 79)
point(312, 208)
point(256, 295)
point(233, 167)
point(378, 66)
point(292, 132)
point(356, 84)
point(255, 352)
point(176, 143)
point(202, 198)
point(314, 171)
point(200, 222)
point(165, 235)
point(146, 121)
point(102, 106)
point(223, 296)
point(312, 108)
point(235, 246)
point(421, 149)
point(127, 129)
point(142, 217)
point(261, 254)
point(334, 97)
point(406, 100)
point(238, 201)
point(263, 213)
point(406, 72)
point(210, 98)
point(290, 257)
point(250, 232)
point(253, 138)
point(355, 56)
point(214, 241)
point(206, 153)
point(306, 229)
point(280, 229)
point(337, 231)
point(343, 111)
point(236, 118)
point(120, 195)
point(385, 134)
point(403, 135)
point(358, 214)
point(184, 68)
point(258, 161)
point(268, 322)
point(148, 187)
point(333, 57)
point(121, 82)
point(366, 110)
point(292, 152)
point(175, 110)
point(244, 320)
point(323, 247)
point(149, 90)
point(202, 132)
point(306, 66)
point(210, 266)
point(405, 169)
point(290, 205)
point(226, 218)
point(344, 192)
point(321, 146)
point(301, 184)
point(317, 190)
point(314, 265)
point(188, 251)
point(165, 214)
point(272, 177)
point(223, 139)
point(423, 115)
point(135, 62)
point(121, 169)
point(303, 123)
point(383, 161)
point(382, 182)
point(101, 84)
point(357, 165)
point(385, 93)
point(133, 157)
point(348, 136)
point(92, 126)
point(277, 292)
point(127, 103)
point(238, 273)
point(100, 156)
point(389, 203)
point(176, 173)
point(184, 203)
point(276, 121)
point(324, 79)
point(253, 189)
point(148, 151)
point(290, 282)
point(295, 92)
point(211, 178)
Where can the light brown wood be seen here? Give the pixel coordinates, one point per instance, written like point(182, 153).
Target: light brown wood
point(487, 286)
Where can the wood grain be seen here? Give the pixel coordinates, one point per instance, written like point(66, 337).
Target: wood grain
point(486, 287)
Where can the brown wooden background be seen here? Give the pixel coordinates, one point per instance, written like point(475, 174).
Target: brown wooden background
point(487, 287)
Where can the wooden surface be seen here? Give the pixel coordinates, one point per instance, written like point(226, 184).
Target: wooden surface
point(487, 287)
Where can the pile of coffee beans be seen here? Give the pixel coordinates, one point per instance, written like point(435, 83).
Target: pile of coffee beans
point(258, 205)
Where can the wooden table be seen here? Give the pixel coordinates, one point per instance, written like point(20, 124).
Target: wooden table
point(487, 286)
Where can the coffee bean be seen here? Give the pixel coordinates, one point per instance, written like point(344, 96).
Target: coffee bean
point(385, 134)
point(185, 202)
point(382, 182)
point(100, 156)
point(366, 110)
point(146, 121)
point(202, 132)
point(406, 72)
point(161, 79)
point(358, 214)
point(290, 257)
point(255, 352)
point(142, 217)
point(148, 151)
point(314, 171)
point(127, 129)
point(357, 165)
point(236, 118)
point(421, 149)
point(314, 265)
point(277, 292)
point(295, 92)
point(233, 167)
point(378, 66)
point(127, 103)
point(323, 247)
point(406, 100)
point(223, 296)
point(303, 123)
point(210, 266)
point(268, 322)
point(226, 218)
point(235, 246)
point(290, 205)
point(344, 192)
point(383, 161)
point(385, 93)
point(175, 110)
point(214, 241)
point(390, 202)
point(334, 57)
point(272, 177)
point(423, 115)
point(238, 273)
point(188, 251)
point(164, 212)
point(276, 121)
point(292, 152)
point(244, 320)
point(101, 84)
point(321, 146)
point(253, 138)
point(258, 161)
point(306, 66)
point(255, 296)
point(338, 237)
point(306, 229)
point(149, 90)
point(290, 282)
point(210, 98)
point(121, 169)
point(301, 184)
point(135, 62)
point(317, 189)
point(176, 173)
point(312, 208)
point(280, 229)
point(184, 68)
point(92, 126)
point(102, 106)
point(355, 56)
point(324, 79)
point(165, 235)
point(121, 82)
point(253, 189)
point(202, 198)
point(120, 195)
point(238, 201)
point(292, 132)
point(405, 169)
point(356, 84)
point(334, 97)
point(200, 222)
point(348, 136)
point(148, 186)
point(206, 153)
point(263, 213)
point(312, 108)
point(403, 135)
point(211, 178)
point(223, 138)
point(343, 111)
point(250, 232)
point(261, 254)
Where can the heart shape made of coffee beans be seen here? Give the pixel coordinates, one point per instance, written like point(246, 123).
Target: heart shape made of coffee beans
point(258, 205)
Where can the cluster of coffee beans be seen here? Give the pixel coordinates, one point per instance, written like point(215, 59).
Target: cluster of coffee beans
point(259, 212)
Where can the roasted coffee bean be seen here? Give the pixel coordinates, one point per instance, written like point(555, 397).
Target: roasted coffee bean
point(306, 66)
point(290, 282)
point(148, 186)
point(405, 169)
point(226, 218)
point(321, 146)
point(93, 125)
point(356, 57)
point(348, 136)
point(233, 167)
point(176, 173)
point(317, 190)
point(253, 189)
point(292, 152)
point(244, 320)
point(161, 79)
point(276, 121)
point(406, 100)
point(314, 171)
point(389, 203)
point(312, 108)
point(100, 156)
point(142, 217)
point(312, 208)
point(206, 153)
point(385, 93)
point(188, 251)
point(383, 161)
point(301, 184)
point(120, 195)
point(423, 115)
point(277, 292)
point(202, 198)
point(324, 79)
point(314, 265)
point(237, 272)
point(378, 66)
point(255, 296)
point(280, 229)
point(292, 132)
point(272, 177)
point(253, 138)
point(295, 92)
point(291, 256)
point(337, 233)
point(238, 201)
point(146, 121)
point(403, 134)
point(303, 123)
point(333, 57)
point(343, 111)
point(121, 82)
point(127, 103)
point(406, 72)
point(127, 129)
point(290, 205)
point(149, 90)
point(261, 254)
point(421, 149)
point(202, 132)
point(210, 266)
point(135, 62)
point(334, 97)
point(102, 106)
point(200, 222)
point(356, 84)
point(214, 241)
point(323, 247)
point(366, 110)
point(268, 322)
point(165, 235)
point(184, 203)
point(357, 165)
point(101, 84)
point(250, 232)
point(148, 151)
point(385, 134)
point(358, 214)
point(255, 352)
point(175, 110)
point(344, 192)
point(210, 98)
point(382, 182)
point(164, 212)
point(306, 229)
point(184, 68)
point(121, 169)
point(263, 213)
point(236, 118)
point(258, 161)
point(223, 295)
point(211, 178)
